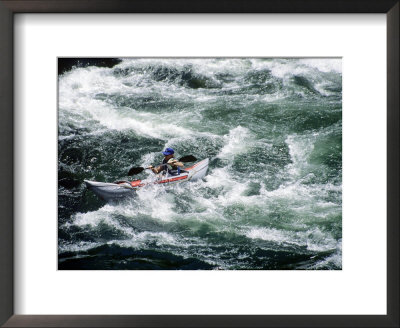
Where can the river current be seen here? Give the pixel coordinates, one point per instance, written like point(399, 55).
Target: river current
point(272, 196)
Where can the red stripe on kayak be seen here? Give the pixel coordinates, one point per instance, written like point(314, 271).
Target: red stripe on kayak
point(173, 179)
point(140, 185)
point(135, 183)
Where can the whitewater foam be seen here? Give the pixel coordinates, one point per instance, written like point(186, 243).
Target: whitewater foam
point(313, 240)
point(237, 142)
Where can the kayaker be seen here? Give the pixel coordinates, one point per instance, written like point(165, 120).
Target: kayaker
point(169, 163)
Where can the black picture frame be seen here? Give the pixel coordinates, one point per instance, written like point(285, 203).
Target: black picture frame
point(10, 7)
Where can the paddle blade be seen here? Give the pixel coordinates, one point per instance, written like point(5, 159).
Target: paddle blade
point(188, 158)
point(135, 170)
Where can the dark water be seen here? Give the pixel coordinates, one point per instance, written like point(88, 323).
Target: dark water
point(272, 198)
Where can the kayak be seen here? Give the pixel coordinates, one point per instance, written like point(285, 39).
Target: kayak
point(122, 189)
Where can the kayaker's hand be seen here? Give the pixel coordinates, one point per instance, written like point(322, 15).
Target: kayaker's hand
point(150, 167)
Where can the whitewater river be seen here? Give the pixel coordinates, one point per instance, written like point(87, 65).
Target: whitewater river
point(272, 197)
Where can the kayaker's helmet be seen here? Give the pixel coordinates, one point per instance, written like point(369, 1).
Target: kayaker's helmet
point(168, 151)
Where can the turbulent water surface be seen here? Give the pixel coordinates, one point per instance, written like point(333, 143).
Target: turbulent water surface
point(272, 198)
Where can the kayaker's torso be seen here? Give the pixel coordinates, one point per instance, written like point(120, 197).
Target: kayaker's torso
point(170, 167)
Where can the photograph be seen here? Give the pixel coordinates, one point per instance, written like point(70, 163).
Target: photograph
point(199, 163)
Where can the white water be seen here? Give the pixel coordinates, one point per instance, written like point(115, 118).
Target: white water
point(269, 203)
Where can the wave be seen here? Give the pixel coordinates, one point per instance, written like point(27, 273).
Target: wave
point(112, 96)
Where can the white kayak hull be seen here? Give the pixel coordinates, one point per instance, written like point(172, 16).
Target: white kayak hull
point(113, 191)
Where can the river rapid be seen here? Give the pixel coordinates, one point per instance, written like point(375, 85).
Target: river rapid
point(272, 197)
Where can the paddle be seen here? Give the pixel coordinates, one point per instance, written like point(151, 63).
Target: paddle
point(184, 159)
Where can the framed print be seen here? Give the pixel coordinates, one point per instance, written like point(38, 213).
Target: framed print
point(257, 239)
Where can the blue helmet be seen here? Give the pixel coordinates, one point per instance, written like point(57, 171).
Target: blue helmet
point(168, 151)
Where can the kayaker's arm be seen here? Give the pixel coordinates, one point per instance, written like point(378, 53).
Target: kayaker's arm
point(159, 168)
point(174, 163)
point(155, 170)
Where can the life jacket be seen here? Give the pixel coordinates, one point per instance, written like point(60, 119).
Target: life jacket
point(167, 167)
